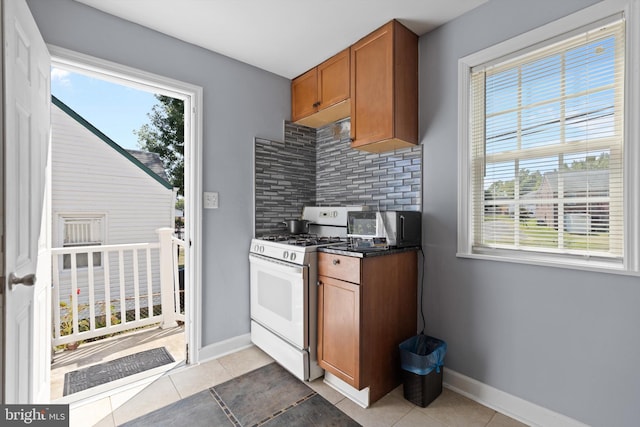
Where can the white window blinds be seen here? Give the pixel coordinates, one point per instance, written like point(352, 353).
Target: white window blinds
point(547, 146)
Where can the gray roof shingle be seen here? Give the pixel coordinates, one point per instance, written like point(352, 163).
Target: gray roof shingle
point(150, 160)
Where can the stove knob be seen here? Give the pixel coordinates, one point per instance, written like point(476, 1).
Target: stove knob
point(285, 255)
point(293, 256)
point(261, 249)
point(256, 248)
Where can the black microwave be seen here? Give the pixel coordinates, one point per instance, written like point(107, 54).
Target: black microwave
point(400, 228)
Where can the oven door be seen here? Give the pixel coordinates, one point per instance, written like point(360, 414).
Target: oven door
point(279, 298)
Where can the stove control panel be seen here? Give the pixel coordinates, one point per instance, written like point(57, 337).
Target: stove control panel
point(280, 251)
point(289, 256)
point(328, 214)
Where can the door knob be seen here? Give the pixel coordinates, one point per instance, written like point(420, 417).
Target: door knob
point(28, 280)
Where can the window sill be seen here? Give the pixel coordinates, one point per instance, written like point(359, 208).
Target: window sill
point(550, 261)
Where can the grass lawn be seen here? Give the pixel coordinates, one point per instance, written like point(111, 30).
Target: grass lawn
point(501, 231)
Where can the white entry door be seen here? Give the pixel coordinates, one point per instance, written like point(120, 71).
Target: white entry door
point(27, 231)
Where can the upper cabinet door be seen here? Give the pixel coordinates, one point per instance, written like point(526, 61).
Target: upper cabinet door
point(372, 87)
point(321, 95)
point(333, 80)
point(384, 89)
point(304, 95)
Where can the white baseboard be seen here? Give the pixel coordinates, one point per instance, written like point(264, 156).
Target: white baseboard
point(222, 348)
point(361, 397)
point(505, 403)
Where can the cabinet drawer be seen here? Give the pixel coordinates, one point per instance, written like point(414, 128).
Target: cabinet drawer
point(339, 266)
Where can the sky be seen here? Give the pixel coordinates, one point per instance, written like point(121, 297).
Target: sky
point(114, 109)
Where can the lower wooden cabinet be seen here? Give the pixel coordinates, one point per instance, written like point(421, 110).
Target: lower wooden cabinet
point(360, 325)
point(339, 329)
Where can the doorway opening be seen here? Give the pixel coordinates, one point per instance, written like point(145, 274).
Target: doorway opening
point(125, 269)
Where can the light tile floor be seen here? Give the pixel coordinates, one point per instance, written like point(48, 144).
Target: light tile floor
point(448, 410)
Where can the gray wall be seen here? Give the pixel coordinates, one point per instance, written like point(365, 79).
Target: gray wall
point(240, 103)
point(564, 339)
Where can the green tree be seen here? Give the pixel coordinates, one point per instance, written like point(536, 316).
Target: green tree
point(527, 180)
point(589, 163)
point(164, 135)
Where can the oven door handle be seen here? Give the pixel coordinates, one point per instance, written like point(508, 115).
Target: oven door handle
point(269, 262)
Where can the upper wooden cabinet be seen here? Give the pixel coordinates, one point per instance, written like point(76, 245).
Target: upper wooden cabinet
point(384, 89)
point(321, 95)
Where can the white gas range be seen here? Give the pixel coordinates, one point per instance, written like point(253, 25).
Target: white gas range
point(284, 272)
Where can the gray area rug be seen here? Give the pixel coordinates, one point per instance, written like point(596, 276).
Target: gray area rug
point(269, 396)
point(95, 375)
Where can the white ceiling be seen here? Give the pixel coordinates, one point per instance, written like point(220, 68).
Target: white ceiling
point(286, 37)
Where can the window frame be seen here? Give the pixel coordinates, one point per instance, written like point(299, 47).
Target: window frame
point(62, 220)
point(544, 35)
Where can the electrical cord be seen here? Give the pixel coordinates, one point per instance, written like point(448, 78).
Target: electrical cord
point(424, 323)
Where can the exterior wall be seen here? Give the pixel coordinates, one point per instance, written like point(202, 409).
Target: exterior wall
point(534, 332)
point(90, 177)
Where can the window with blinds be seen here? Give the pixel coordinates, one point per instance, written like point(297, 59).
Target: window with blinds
point(546, 134)
point(82, 232)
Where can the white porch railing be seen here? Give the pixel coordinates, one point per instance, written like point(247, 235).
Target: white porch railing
point(115, 289)
point(177, 246)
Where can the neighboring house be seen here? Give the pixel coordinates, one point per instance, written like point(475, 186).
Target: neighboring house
point(151, 161)
point(575, 185)
point(103, 194)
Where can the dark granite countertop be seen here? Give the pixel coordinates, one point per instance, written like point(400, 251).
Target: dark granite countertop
point(363, 253)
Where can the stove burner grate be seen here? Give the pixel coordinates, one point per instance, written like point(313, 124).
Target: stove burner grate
point(301, 239)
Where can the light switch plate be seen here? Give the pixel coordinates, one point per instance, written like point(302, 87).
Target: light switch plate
point(210, 200)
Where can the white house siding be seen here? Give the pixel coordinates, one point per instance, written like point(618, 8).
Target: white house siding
point(91, 177)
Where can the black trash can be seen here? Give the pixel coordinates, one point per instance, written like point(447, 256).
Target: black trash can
point(421, 359)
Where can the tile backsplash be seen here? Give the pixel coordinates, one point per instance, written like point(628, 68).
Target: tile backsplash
point(285, 178)
point(319, 167)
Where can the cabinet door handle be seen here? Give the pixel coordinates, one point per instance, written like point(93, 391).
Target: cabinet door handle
point(336, 261)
